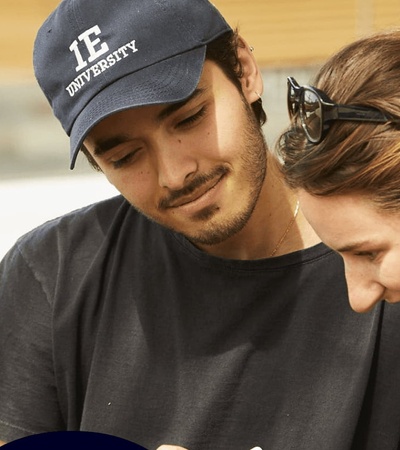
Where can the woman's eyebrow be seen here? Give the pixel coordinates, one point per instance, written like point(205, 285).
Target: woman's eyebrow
point(354, 246)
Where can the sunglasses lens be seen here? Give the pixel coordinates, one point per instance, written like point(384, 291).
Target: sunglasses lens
point(311, 115)
point(292, 102)
point(292, 97)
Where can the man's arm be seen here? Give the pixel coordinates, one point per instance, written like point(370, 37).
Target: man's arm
point(29, 402)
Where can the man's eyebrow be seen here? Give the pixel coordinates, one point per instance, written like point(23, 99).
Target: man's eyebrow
point(105, 145)
point(170, 109)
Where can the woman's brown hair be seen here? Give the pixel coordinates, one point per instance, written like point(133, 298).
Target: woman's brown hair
point(354, 157)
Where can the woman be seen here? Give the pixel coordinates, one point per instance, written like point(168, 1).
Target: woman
point(342, 157)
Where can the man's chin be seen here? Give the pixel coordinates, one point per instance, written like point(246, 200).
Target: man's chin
point(216, 233)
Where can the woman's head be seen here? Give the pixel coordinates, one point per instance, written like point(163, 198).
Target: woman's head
point(348, 182)
point(353, 157)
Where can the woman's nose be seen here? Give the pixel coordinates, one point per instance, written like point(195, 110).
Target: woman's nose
point(364, 292)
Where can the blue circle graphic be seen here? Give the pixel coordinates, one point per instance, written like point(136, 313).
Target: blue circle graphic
point(66, 439)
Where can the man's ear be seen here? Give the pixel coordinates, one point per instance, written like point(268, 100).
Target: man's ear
point(252, 82)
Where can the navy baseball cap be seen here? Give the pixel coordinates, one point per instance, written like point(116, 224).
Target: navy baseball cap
point(93, 58)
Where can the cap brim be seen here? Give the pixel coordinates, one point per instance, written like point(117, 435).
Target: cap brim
point(168, 81)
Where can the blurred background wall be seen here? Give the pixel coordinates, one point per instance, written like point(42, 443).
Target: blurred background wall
point(290, 37)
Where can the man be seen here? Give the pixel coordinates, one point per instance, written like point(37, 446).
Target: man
point(197, 309)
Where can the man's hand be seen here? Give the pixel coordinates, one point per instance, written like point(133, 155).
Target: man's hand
point(170, 447)
point(174, 447)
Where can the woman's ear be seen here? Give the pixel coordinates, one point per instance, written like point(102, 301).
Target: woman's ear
point(251, 80)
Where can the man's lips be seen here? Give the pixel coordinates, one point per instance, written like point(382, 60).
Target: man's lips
point(198, 193)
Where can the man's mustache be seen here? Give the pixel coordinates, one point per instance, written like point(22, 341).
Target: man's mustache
point(191, 187)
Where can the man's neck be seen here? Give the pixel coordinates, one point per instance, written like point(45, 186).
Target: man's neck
point(274, 228)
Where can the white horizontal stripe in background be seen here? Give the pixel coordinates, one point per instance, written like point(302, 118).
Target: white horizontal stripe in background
point(26, 203)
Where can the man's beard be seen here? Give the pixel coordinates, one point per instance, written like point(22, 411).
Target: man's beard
point(254, 164)
point(254, 160)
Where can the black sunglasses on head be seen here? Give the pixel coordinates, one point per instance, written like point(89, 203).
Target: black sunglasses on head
point(316, 111)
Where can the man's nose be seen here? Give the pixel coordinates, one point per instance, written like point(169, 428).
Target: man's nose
point(175, 164)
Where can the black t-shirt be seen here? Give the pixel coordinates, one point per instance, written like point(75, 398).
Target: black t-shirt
point(111, 323)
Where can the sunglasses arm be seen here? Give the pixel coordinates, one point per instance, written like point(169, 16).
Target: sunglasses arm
point(359, 113)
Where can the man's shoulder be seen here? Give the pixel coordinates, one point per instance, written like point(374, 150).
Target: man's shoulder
point(82, 227)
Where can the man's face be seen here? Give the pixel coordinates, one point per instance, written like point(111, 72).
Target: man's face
point(196, 167)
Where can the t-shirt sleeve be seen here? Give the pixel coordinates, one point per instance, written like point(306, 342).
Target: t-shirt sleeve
point(28, 394)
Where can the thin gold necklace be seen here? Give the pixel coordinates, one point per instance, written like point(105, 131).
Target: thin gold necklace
point(292, 220)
